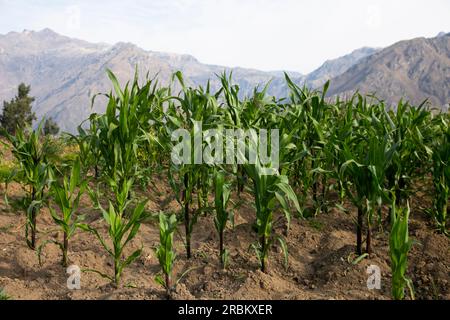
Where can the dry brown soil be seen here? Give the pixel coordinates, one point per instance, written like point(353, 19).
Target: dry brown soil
point(320, 254)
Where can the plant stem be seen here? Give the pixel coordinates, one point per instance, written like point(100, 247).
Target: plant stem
point(264, 261)
point(33, 220)
point(65, 248)
point(314, 187)
point(186, 217)
point(116, 272)
point(240, 182)
point(359, 232)
point(369, 240)
point(221, 248)
point(168, 286)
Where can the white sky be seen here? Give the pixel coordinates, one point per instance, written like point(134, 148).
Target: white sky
point(295, 35)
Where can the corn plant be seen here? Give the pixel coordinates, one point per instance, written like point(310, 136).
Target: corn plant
point(184, 195)
point(234, 116)
point(441, 179)
point(7, 174)
point(270, 191)
point(32, 153)
point(119, 133)
point(4, 295)
point(118, 136)
point(256, 111)
point(165, 252)
point(399, 246)
point(338, 136)
point(152, 155)
point(409, 128)
point(365, 157)
point(121, 230)
point(66, 196)
point(88, 146)
point(222, 197)
point(196, 107)
point(308, 117)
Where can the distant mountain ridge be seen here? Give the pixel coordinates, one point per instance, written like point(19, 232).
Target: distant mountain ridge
point(414, 69)
point(335, 67)
point(65, 73)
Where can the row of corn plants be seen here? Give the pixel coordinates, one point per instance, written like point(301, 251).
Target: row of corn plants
point(368, 154)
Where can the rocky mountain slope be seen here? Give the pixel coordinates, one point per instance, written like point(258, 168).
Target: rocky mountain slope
point(413, 69)
point(65, 73)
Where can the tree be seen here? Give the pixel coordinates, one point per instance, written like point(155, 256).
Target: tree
point(50, 127)
point(17, 113)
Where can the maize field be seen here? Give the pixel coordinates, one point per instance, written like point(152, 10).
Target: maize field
point(359, 185)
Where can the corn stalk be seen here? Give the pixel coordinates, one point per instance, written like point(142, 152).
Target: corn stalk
point(222, 197)
point(32, 151)
point(399, 246)
point(165, 252)
point(66, 196)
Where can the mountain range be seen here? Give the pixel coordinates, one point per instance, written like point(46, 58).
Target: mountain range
point(64, 73)
point(414, 69)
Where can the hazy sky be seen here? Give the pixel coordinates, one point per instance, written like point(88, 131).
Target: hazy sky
point(297, 35)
